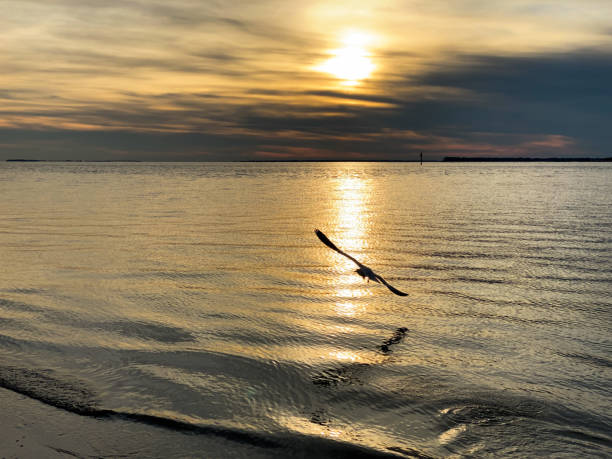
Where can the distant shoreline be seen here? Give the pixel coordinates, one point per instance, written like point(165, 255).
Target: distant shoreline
point(19, 160)
point(446, 159)
point(459, 159)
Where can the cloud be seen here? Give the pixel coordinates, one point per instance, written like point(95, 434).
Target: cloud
point(539, 77)
point(542, 105)
point(563, 93)
point(216, 80)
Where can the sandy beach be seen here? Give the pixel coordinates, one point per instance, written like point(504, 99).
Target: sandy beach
point(31, 429)
point(34, 430)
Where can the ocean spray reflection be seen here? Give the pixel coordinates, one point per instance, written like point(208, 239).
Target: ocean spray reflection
point(173, 295)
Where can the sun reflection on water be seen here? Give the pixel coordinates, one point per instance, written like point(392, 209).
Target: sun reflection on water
point(345, 356)
point(348, 309)
point(351, 291)
point(351, 197)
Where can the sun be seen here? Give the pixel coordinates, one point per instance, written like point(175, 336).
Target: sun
point(351, 63)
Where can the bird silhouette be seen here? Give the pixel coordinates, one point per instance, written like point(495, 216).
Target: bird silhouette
point(363, 270)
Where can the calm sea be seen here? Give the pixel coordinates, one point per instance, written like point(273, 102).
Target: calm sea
point(193, 302)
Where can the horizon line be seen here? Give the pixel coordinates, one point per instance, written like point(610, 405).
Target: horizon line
point(445, 159)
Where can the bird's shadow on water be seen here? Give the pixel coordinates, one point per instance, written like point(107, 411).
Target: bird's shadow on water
point(397, 337)
point(354, 373)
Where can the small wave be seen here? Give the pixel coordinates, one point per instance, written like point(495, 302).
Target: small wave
point(77, 398)
point(570, 279)
point(7, 342)
point(18, 306)
point(25, 291)
point(482, 299)
point(478, 414)
point(148, 331)
point(178, 275)
point(453, 268)
point(590, 359)
point(469, 255)
point(410, 452)
point(297, 444)
point(237, 435)
point(43, 386)
point(584, 436)
point(344, 375)
point(505, 318)
point(489, 412)
point(480, 280)
point(10, 322)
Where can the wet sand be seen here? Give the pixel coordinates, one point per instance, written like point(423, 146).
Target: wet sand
point(34, 430)
point(31, 429)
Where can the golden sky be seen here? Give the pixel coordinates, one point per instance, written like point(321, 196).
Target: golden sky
point(217, 80)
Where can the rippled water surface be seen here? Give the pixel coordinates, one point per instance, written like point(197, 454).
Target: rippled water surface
point(196, 299)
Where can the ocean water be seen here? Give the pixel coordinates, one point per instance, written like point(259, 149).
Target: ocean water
point(194, 301)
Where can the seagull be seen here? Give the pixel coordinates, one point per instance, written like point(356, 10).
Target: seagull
point(364, 271)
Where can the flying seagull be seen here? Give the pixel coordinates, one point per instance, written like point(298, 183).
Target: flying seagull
point(363, 270)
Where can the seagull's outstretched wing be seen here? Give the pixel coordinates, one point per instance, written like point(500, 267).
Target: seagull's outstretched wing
point(332, 246)
point(390, 287)
point(364, 271)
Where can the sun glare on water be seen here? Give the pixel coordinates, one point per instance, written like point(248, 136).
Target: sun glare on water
point(351, 63)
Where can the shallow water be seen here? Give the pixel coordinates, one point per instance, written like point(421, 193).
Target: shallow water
point(196, 298)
